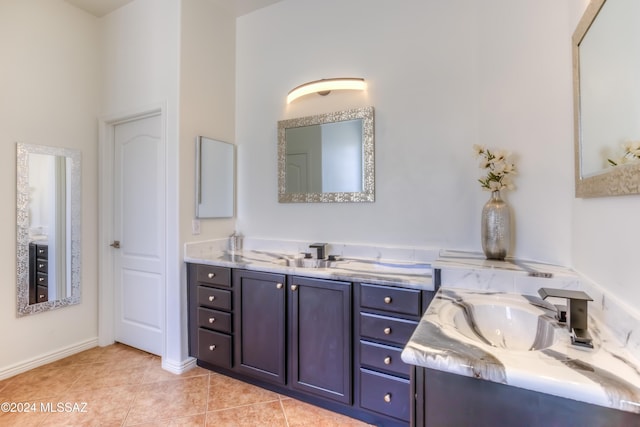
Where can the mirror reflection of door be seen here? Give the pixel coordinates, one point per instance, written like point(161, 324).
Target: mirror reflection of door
point(324, 158)
point(49, 228)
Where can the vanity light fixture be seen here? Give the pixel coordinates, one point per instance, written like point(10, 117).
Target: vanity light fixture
point(325, 86)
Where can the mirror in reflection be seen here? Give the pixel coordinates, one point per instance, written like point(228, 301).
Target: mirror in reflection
point(327, 158)
point(48, 224)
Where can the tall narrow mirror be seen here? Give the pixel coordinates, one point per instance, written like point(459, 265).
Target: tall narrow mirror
point(48, 228)
point(215, 177)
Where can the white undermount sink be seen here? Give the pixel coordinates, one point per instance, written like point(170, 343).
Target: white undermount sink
point(503, 321)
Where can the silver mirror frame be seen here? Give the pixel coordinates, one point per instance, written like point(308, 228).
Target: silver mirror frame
point(23, 308)
point(368, 193)
point(618, 180)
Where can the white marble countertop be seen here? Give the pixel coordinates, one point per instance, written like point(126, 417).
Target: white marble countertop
point(405, 273)
point(607, 375)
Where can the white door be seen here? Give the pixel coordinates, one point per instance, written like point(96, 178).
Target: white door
point(139, 233)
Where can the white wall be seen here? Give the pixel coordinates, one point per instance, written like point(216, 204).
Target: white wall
point(207, 100)
point(140, 51)
point(49, 81)
point(207, 108)
point(442, 76)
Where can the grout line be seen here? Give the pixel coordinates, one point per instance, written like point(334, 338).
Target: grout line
point(286, 419)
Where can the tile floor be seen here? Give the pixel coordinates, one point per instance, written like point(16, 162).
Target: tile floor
point(121, 386)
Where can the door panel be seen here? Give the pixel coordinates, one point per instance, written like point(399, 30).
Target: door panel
point(321, 337)
point(139, 225)
point(261, 327)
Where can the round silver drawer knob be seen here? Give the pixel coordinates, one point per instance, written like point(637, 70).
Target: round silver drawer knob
point(212, 319)
point(211, 298)
point(279, 286)
point(212, 347)
point(387, 300)
point(211, 275)
point(387, 331)
point(387, 397)
point(387, 360)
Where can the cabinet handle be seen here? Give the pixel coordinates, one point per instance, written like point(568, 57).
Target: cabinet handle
point(279, 286)
point(387, 397)
point(40, 251)
point(387, 360)
point(212, 319)
point(211, 275)
point(40, 265)
point(41, 297)
point(387, 331)
point(211, 298)
point(40, 279)
point(294, 287)
point(387, 300)
point(212, 347)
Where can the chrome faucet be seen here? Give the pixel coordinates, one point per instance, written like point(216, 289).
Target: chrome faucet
point(577, 313)
point(321, 248)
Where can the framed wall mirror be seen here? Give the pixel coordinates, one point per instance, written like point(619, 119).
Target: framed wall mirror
point(327, 157)
point(606, 69)
point(48, 228)
point(215, 178)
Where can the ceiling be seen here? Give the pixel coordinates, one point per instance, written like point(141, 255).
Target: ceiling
point(102, 7)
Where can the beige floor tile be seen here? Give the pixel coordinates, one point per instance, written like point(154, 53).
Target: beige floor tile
point(41, 383)
point(302, 414)
point(225, 392)
point(191, 421)
point(101, 375)
point(261, 414)
point(104, 406)
point(14, 419)
point(169, 399)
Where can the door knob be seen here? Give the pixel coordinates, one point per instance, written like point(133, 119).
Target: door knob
point(115, 244)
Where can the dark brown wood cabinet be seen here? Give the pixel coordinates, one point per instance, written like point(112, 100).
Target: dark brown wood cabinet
point(386, 318)
point(260, 329)
point(210, 317)
point(320, 316)
point(38, 273)
point(323, 341)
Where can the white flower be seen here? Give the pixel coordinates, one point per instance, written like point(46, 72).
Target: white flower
point(498, 166)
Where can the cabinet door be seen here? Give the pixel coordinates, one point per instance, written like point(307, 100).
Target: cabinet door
point(320, 316)
point(260, 327)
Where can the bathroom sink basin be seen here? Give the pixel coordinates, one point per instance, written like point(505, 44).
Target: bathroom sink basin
point(504, 321)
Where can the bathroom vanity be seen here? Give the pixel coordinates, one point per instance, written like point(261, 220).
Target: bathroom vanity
point(489, 351)
point(329, 333)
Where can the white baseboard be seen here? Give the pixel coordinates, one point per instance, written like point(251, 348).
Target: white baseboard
point(43, 359)
point(180, 367)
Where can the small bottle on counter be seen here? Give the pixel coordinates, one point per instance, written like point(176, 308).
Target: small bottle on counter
point(235, 242)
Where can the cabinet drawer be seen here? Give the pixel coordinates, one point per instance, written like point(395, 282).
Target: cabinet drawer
point(42, 265)
point(396, 331)
point(42, 279)
point(395, 300)
point(214, 298)
point(214, 319)
point(42, 251)
point(42, 294)
point(387, 358)
point(220, 276)
point(214, 348)
point(385, 394)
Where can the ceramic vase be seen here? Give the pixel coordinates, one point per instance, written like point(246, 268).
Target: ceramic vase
point(496, 227)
